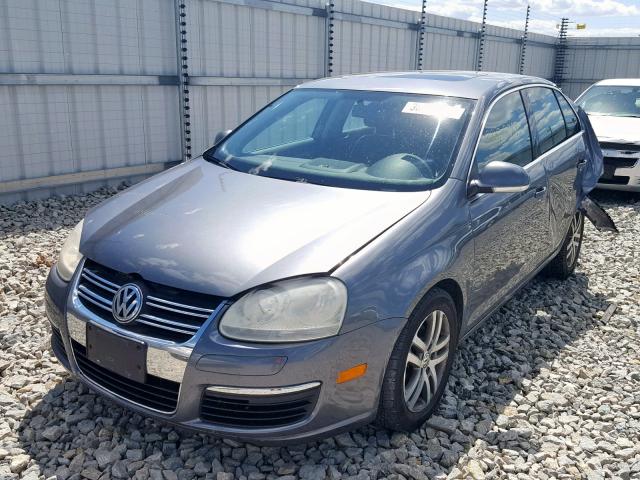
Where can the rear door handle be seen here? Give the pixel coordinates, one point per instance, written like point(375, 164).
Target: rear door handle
point(540, 191)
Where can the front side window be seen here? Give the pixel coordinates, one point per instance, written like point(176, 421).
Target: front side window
point(570, 119)
point(547, 119)
point(354, 121)
point(353, 139)
point(611, 100)
point(505, 136)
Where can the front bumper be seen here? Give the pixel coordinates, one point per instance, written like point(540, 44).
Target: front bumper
point(211, 363)
point(622, 170)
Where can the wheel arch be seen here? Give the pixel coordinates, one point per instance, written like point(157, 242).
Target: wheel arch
point(389, 412)
point(452, 287)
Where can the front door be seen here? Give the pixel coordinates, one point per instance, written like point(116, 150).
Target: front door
point(511, 230)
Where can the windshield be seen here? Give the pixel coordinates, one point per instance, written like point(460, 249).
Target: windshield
point(346, 138)
point(611, 100)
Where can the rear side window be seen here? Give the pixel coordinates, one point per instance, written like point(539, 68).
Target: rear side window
point(506, 133)
point(547, 120)
point(570, 119)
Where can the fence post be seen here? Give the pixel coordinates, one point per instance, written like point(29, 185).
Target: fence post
point(421, 35)
point(329, 37)
point(483, 30)
point(561, 52)
point(183, 78)
point(523, 47)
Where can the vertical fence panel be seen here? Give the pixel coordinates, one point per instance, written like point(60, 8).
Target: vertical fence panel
point(31, 37)
point(450, 44)
point(35, 138)
point(156, 36)
point(241, 57)
point(373, 38)
point(502, 50)
point(540, 55)
point(61, 121)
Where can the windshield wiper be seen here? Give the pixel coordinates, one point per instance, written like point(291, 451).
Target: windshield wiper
point(216, 161)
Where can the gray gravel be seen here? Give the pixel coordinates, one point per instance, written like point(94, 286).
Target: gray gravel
point(549, 388)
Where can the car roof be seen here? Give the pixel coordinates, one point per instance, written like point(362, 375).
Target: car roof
point(620, 82)
point(464, 84)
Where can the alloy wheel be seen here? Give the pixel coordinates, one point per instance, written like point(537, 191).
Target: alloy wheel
point(426, 361)
point(574, 239)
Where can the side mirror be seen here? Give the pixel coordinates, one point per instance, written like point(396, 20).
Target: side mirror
point(220, 136)
point(500, 177)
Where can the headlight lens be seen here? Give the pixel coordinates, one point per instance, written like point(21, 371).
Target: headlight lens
point(70, 254)
point(289, 311)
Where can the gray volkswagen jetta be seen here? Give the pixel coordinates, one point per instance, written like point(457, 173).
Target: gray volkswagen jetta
point(317, 268)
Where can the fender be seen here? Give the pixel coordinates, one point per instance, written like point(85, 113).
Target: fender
point(390, 275)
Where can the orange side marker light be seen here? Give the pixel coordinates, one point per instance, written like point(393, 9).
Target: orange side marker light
point(352, 373)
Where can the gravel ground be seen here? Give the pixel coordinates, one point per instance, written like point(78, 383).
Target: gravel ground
point(549, 388)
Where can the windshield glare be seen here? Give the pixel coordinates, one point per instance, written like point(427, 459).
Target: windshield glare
point(611, 100)
point(354, 139)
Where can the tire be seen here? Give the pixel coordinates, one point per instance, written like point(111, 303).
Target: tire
point(564, 263)
point(396, 411)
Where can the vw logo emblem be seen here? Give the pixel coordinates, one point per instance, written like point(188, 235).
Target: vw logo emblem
point(127, 303)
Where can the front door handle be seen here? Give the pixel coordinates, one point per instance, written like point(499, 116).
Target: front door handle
point(582, 161)
point(540, 191)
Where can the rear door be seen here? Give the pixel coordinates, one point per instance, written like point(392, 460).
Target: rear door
point(511, 229)
point(558, 144)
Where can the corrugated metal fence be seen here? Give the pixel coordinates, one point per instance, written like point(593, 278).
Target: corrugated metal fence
point(88, 92)
point(93, 91)
point(592, 59)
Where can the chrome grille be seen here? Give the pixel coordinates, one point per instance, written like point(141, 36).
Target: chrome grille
point(162, 315)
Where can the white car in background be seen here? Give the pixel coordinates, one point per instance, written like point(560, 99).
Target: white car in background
point(613, 107)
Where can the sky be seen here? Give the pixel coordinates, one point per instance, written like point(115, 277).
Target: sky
point(602, 17)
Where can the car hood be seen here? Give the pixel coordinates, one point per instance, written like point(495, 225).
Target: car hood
point(213, 230)
point(616, 129)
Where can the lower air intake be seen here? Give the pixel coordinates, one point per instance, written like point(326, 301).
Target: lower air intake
point(247, 411)
point(156, 393)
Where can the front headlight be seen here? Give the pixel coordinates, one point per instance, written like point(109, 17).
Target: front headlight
point(288, 311)
point(70, 254)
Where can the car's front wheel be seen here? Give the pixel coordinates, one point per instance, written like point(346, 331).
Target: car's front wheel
point(564, 263)
point(420, 363)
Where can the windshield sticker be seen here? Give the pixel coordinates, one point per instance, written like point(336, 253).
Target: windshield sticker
point(434, 109)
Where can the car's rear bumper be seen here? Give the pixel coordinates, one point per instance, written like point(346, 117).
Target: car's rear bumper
point(247, 374)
